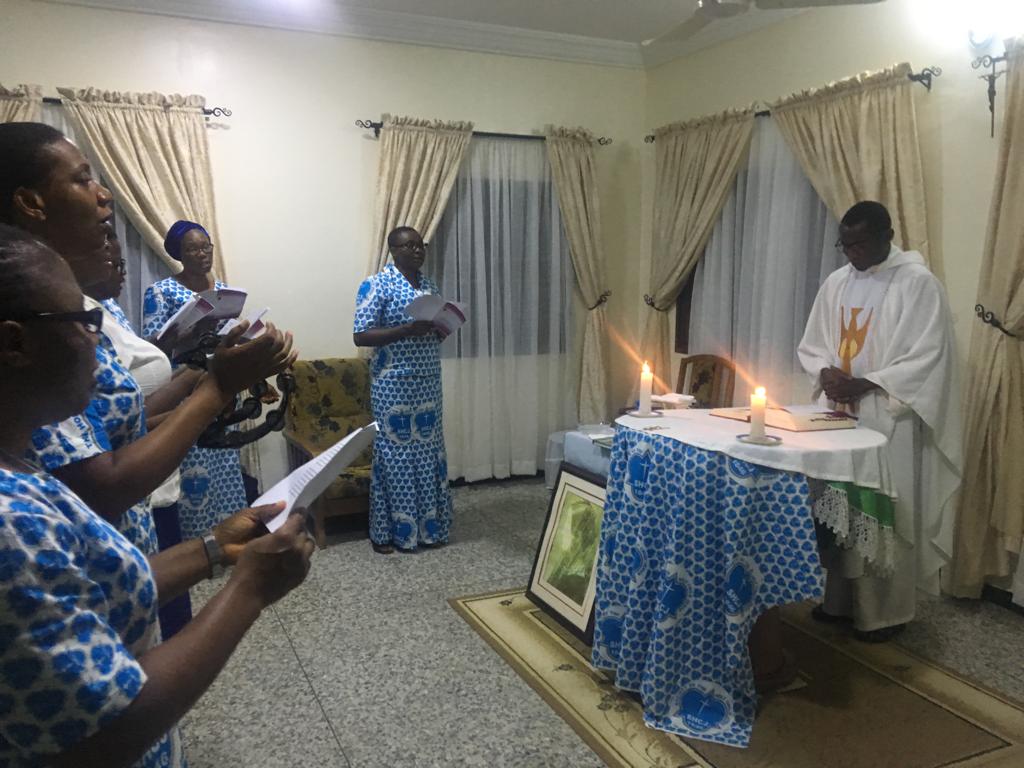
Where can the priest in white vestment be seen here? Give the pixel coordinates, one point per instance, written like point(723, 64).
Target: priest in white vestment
point(879, 344)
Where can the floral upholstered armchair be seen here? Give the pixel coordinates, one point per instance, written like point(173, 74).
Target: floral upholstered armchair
point(331, 400)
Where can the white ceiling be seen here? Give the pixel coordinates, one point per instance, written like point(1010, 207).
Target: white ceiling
point(605, 32)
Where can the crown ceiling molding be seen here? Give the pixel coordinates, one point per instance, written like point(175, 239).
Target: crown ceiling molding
point(333, 19)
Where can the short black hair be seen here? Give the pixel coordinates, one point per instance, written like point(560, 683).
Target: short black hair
point(23, 259)
point(394, 233)
point(871, 213)
point(23, 161)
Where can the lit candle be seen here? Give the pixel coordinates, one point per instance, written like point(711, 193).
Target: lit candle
point(646, 381)
point(757, 405)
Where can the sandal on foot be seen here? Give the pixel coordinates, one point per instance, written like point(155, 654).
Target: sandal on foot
point(382, 549)
point(883, 635)
point(818, 613)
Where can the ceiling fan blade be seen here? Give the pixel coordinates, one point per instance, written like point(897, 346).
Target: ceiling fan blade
point(683, 31)
point(778, 5)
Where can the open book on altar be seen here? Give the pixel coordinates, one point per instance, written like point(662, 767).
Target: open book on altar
point(302, 487)
point(794, 418)
point(213, 305)
point(447, 316)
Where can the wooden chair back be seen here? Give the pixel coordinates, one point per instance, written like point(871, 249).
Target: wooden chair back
point(709, 378)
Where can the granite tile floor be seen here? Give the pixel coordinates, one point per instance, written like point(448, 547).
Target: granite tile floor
point(366, 665)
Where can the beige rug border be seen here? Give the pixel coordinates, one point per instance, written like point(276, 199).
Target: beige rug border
point(536, 682)
point(888, 660)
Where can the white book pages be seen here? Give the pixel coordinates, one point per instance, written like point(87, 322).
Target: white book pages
point(256, 325)
point(447, 316)
point(227, 302)
point(302, 487)
point(182, 321)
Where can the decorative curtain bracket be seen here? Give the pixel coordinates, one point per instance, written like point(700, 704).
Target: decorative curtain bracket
point(989, 318)
point(924, 77)
point(991, 62)
point(604, 141)
point(649, 138)
point(649, 301)
point(371, 125)
point(216, 112)
point(602, 299)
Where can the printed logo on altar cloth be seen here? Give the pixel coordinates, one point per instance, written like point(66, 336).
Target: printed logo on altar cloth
point(399, 424)
point(635, 560)
point(608, 633)
point(609, 544)
point(742, 581)
point(638, 470)
point(746, 474)
point(703, 708)
point(674, 597)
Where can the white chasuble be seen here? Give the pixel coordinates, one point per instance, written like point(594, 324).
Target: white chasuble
point(891, 324)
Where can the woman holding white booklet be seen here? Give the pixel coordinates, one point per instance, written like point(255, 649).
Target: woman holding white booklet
point(409, 501)
point(211, 478)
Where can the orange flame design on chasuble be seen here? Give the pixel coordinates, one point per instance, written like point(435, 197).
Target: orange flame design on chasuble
point(852, 336)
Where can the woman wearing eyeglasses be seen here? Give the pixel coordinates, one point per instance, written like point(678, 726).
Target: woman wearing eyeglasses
point(410, 504)
point(106, 453)
point(82, 679)
point(211, 478)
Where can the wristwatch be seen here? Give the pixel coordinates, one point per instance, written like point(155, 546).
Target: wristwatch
point(214, 554)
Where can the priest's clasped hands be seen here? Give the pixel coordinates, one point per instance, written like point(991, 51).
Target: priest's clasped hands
point(840, 387)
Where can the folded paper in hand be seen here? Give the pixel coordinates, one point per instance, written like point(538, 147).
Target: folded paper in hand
point(215, 304)
point(447, 316)
point(302, 487)
point(256, 326)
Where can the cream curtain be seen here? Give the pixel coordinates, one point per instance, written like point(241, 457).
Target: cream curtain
point(154, 154)
point(573, 167)
point(857, 140)
point(21, 104)
point(696, 165)
point(990, 517)
point(419, 160)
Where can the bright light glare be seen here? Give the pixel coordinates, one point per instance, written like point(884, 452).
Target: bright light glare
point(950, 21)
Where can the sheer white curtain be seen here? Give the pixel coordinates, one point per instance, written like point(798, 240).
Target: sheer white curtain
point(770, 251)
point(510, 373)
point(142, 266)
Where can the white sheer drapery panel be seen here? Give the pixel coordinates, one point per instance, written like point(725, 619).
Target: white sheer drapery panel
point(511, 373)
point(143, 267)
point(771, 249)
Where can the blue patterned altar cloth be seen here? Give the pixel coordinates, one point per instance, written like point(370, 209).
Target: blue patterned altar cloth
point(695, 545)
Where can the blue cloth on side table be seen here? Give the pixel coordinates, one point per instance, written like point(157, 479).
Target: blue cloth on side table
point(695, 545)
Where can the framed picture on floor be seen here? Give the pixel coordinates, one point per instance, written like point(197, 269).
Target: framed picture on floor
point(563, 579)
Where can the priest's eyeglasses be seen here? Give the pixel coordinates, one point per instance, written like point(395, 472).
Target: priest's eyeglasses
point(855, 246)
point(90, 319)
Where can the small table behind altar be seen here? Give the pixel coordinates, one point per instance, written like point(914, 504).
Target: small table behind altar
point(701, 534)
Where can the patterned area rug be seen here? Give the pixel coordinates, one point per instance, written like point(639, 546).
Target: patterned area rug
point(855, 706)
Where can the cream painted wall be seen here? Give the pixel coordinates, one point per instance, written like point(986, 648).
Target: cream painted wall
point(824, 45)
point(294, 177)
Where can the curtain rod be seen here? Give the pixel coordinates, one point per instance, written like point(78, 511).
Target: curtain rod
point(924, 77)
point(375, 126)
point(208, 111)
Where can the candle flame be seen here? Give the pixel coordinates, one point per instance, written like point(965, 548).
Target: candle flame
point(759, 391)
point(647, 368)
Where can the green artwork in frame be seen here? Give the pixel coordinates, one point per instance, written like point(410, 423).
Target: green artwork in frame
point(562, 582)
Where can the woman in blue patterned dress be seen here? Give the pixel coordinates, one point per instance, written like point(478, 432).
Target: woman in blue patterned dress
point(211, 478)
point(82, 680)
point(409, 500)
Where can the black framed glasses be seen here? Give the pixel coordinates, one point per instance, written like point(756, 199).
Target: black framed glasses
point(194, 249)
point(412, 246)
point(90, 319)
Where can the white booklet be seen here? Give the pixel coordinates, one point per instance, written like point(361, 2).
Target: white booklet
point(302, 487)
point(214, 304)
point(256, 325)
point(447, 316)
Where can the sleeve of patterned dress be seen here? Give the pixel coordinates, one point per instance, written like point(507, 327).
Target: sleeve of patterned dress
point(80, 437)
point(64, 670)
point(369, 305)
point(156, 310)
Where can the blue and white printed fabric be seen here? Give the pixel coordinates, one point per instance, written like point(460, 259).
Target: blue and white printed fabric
point(77, 608)
point(113, 418)
point(118, 314)
point(211, 478)
point(695, 545)
point(409, 498)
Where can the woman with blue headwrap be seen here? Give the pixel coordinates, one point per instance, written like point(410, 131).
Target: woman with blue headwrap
point(211, 478)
